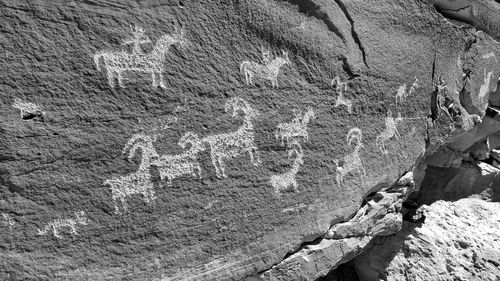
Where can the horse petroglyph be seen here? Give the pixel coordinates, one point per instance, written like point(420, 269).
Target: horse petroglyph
point(402, 94)
point(117, 63)
point(351, 163)
point(485, 87)
point(229, 145)
point(283, 182)
point(138, 182)
point(29, 110)
point(390, 131)
point(296, 128)
point(268, 71)
point(341, 88)
point(173, 166)
point(56, 225)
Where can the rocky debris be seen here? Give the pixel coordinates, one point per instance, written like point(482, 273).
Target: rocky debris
point(458, 241)
point(193, 200)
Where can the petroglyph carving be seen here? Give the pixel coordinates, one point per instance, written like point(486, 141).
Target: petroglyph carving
point(229, 145)
point(173, 166)
point(389, 132)
point(402, 94)
point(485, 87)
point(56, 225)
point(296, 128)
point(351, 163)
point(283, 182)
point(117, 63)
point(489, 56)
point(268, 71)
point(29, 110)
point(138, 182)
point(341, 88)
point(8, 221)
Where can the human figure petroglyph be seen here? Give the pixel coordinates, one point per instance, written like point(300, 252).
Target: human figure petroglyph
point(286, 181)
point(117, 63)
point(29, 110)
point(229, 145)
point(138, 182)
point(485, 87)
point(186, 163)
point(56, 225)
point(138, 38)
point(351, 163)
point(389, 132)
point(296, 128)
point(341, 89)
point(268, 71)
point(8, 221)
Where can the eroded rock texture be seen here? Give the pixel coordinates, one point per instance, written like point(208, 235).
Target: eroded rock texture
point(458, 241)
point(140, 141)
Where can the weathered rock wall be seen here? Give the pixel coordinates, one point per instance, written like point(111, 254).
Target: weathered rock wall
point(105, 125)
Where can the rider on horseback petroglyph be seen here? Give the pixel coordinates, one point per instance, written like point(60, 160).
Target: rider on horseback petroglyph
point(137, 39)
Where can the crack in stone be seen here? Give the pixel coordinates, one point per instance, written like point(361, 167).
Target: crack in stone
point(354, 34)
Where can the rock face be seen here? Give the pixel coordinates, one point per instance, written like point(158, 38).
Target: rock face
point(194, 140)
point(458, 241)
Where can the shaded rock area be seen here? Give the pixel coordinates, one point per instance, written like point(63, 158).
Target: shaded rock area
point(458, 241)
point(230, 140)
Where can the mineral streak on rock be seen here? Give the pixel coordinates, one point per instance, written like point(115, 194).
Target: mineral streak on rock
point(193, 200)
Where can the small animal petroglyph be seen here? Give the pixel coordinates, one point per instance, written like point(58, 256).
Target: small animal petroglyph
point(138, 182)
point(351, 163)
point(341, 88)
point(8, 221)
point(296, 128)
point(268, 71)
point(29, 110)
point(485, 87)
point(173, 166)
point(117, 63)
point(229, 145)
point(390, 131)
point(287, 181)
point(402, 94)
point(56, 225)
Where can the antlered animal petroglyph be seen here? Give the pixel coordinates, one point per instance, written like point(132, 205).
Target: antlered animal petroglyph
point(283, 182)
point(117, 63)
point(351, 162)
point(268, 71)
point(138, 182)
point(29, 110)
point(296, 128)
point(186, 163)
point(389, 132)
point(229, 145)
point(341, 88)
point(56, 225)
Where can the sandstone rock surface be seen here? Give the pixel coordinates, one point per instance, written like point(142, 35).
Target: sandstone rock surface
point(134, 147)
point(458, 241)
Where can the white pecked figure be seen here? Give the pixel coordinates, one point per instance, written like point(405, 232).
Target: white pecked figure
point(268, 71)
point(117, 63)
point(389, 132)
point(229, 145)
point(138, 182)
point(296, 128)
point(351, 162)
point(287, 181)
point(341, 88)
point(56, 225)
